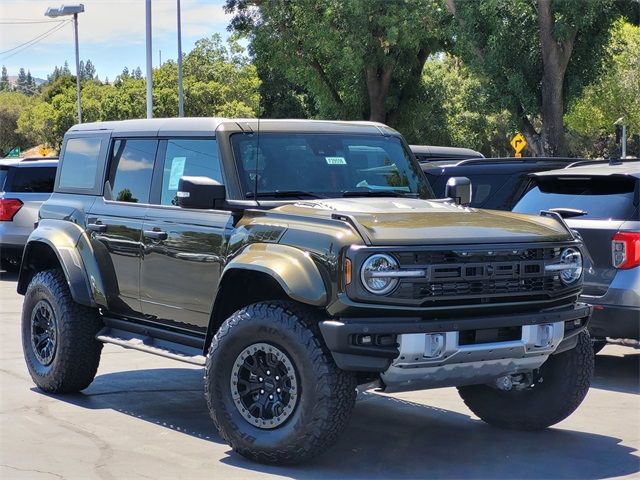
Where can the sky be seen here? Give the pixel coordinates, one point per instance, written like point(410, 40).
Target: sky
point(111, 33)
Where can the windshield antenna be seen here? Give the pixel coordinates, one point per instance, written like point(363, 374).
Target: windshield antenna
point(255, 172)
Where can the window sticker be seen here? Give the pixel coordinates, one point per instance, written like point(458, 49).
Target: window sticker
point(177, 169)
point(335, 160)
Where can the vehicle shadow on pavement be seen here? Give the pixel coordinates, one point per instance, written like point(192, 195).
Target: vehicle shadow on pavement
point(386, 438)
point(618, 374)
point(8, 276)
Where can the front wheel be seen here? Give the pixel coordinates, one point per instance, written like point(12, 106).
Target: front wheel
point(558, 388)
point(272, 388)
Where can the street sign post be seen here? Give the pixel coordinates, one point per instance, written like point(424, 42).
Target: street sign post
point(518, 142)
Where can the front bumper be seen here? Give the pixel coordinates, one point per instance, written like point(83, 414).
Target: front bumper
point(342, 335)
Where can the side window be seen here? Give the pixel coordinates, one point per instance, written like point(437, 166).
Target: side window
point(131, 169)
point(80, 163)
point(34, 179)
point(193, 158)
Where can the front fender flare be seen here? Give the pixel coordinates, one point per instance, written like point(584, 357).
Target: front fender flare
point(292, 268)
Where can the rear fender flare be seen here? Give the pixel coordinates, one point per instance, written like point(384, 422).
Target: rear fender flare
point(64, 239)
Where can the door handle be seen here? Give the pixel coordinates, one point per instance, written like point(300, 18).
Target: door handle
point(155, 234)
point(97, 227)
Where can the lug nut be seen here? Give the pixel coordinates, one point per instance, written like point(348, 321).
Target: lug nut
point(260, 379)
point(270, 397)
point(261, 392)
point(268, 372)
point(277, 377)
point(278, 390)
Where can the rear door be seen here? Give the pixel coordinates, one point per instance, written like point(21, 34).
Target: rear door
point(115, 221)
point(607, 202)
point(183, 249)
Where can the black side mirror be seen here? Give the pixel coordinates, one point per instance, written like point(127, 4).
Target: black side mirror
point(459, 189)
point(200, 192)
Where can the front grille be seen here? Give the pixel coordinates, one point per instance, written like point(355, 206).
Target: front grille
point(479, 276)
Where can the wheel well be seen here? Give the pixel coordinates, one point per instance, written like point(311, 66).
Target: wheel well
point(240, 288)
point(38, 256)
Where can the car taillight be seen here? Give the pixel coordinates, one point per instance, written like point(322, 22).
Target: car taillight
point(8, 208)
point(625, 248)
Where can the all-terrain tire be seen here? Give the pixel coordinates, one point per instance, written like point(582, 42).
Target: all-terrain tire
point(566, 378)
point(76, 354)
point(326, 394)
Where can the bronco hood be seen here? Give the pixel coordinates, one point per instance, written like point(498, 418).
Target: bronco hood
point(408, 221)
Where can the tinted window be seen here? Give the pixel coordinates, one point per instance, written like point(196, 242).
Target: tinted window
point(600, 197)
point(188, 158)
point(326, 164)
point(131, 170)
point(33, 179)
point(80, 163)
point(3, 175)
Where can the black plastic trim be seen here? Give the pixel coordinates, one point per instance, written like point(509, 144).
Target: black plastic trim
point(337, 333)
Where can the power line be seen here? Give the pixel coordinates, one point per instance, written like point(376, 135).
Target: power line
point(33, 41)
point(28, 22)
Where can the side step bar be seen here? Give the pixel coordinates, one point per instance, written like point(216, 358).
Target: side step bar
point(146, 341)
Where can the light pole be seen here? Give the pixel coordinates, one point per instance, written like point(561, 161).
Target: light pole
point(149, 59)
point(621, 133)
point(71, 10)
point(180, 91)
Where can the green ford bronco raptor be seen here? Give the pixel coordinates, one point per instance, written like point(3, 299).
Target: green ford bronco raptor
point(295, 260)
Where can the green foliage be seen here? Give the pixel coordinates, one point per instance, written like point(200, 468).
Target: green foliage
point(12, 105)
point(218, 81)
point(615, 94)
point(4, 80)
point(357, 59)
point(453, 108)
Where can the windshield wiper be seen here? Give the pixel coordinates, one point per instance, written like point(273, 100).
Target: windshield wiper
point(284, 193)
point(375, 193)
point(569, 212)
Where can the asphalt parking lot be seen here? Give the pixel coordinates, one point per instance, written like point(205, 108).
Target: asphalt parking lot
point(146, 417)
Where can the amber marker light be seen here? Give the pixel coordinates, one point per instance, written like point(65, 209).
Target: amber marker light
point(347, 271)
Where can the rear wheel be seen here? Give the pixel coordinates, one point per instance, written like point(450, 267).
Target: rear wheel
point(272, 388)
point(58, 335)
point(556, 391)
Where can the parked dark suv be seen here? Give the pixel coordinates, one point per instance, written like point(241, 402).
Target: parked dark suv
point(602, 203)
point(24, 185)
point(498, 183)
point(294, 260)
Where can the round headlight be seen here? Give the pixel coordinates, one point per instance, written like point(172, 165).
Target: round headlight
point(373, 272)
point(573, 259)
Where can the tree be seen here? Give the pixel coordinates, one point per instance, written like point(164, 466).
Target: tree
point(12, 104)
point(89, 71)
point(4, 80)
point(615, 94)
point(358, 59)
point(21, 82)
point(29, 84)
point(537, 56)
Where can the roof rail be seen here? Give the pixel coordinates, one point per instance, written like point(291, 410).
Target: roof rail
point(35, 159)
point(609, 161)
point(480, 161)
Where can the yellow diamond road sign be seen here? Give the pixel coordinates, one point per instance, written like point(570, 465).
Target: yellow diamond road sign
point(518, 142)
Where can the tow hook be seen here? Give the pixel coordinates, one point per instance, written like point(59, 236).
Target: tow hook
point(519, 381)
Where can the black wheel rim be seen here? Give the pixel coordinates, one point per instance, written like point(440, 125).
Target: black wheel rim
point(264, 387)
point(43, 332)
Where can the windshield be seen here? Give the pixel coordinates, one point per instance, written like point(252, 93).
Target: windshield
point(326, 165)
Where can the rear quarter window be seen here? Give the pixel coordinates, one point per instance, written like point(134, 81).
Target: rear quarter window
point(78, 170)
point(602, 198)
point(3, 176)
point(33, 180)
